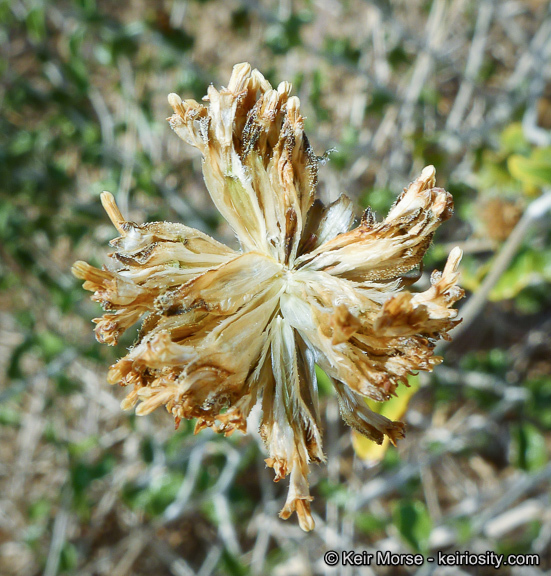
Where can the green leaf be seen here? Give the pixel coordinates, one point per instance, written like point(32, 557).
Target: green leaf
point(285, 34)
point(68, 559)
point(155, 497)
point(164, 493)
point(378, 199)
point(533, 170)
point(9, 416)
point(412, 520)
point(337, 493)
point(538, 406)
point(463, 530)
point(512, 140)
point(147, 449)
point(528, 450)
point(324, 383)
point(369, 523)
point(529, 267)
point(22, 143)
point(342, 48)
point(232, 565)
point(79, 449)
point(36, 24)
point(39, 509)
point(83, 473)
point(50, 344)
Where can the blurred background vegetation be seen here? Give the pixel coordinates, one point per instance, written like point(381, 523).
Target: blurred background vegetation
point(392, 85)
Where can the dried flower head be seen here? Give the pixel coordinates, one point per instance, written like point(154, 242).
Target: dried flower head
point(223, 329)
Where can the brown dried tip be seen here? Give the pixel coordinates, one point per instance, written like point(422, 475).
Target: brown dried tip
point(223, 330)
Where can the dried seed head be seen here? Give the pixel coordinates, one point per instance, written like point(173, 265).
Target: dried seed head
point(223, 330)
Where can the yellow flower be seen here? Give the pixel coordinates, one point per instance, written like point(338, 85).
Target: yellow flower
point(223, 329)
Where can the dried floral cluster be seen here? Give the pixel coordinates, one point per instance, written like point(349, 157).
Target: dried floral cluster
point(224, 329)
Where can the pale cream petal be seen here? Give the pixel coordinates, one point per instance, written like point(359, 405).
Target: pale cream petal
point(153, 401)
point(231, 191)
point(324, 328)
point(392, 248)
point(372, 345)
point(136, 238)
point(109, 286)
point(258, 165)
point(292, 171)
point(190, 121)
point(326, 222)
point(357, 414)
point(289, 425)
point(444, 291)
point(225, 289)
point(208, 367)
point(429, 313)
point(227, 181)
point(156, 256)
point(110, 327)
point(298, 497)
